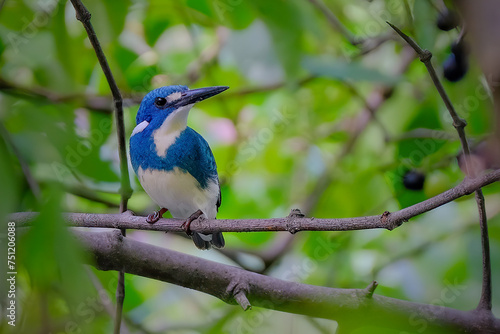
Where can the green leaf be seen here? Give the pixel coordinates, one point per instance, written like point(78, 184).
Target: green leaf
point(84, 153)
point(425, 24)
point(416, 149)
point(9, 197)
point(233, 14)
point(117, 13)
point(11, 13)
point(154, 27)
point(283, 20)
point(51, 255)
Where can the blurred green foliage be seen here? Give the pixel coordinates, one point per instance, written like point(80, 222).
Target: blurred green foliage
point(289, 123)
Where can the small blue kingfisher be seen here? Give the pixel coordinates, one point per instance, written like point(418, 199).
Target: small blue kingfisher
point(174, 164)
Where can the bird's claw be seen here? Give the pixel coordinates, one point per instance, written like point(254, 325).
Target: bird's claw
point(155, 216)
point(186, 226)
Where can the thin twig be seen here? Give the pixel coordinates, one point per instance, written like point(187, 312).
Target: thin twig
point(88, 194)
point(266, 88)
point(120, 297)
point(485, 300)
point(292, 224)
point(280, 245)
point(425, 57)
point(365, 45)
point(92, 102)
point(425, 133)
point(83, 15)
point(427, 244)
point(99, 288)
point(335, 22)
point(207, 56)
point(459, 124)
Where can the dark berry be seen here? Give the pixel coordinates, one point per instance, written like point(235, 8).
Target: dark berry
point(456, 65)
point(447, 20)
point(413, 180)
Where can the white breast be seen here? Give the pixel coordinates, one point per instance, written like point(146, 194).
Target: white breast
point(179, 192)
point(171, 129)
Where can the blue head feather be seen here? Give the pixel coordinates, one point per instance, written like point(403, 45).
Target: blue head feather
point(148, 109)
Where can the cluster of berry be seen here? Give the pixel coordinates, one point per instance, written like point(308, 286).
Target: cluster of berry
point(456, 65)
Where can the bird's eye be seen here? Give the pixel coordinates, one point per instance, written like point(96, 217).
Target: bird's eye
point(160, 102)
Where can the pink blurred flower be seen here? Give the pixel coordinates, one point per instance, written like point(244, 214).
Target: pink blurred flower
point(223, 130)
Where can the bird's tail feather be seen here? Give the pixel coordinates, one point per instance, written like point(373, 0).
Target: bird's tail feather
point(200, 242)
point(217, 240)
point(203, 241)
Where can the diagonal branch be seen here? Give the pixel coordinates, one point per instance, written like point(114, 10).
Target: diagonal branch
point(92, 102)
point(459, 124)
point(112, 251)
point(293, 223)
point(335, 22)
point(83, 15)
point(365, 45)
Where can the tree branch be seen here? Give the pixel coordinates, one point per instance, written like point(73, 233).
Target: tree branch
point(459, 124)
point(112, 251)
point(365, 45)
point(92, 102)
point(335, 22)
point(83, 15)
point(293, 223)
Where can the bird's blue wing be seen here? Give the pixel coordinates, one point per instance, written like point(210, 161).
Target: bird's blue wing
point(192, 154)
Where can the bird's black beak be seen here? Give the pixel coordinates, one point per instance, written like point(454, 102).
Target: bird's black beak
point(196, 95)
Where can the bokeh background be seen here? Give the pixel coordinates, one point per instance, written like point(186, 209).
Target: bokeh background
point(311, 121)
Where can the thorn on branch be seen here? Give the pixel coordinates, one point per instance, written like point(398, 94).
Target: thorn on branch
point(296, 213)
point(370, 289)
point(128, 213)
point(238, 290)
point(390, 225)
point(242, 300)
point(292, 225)
point(422, 53)
point(384, 217)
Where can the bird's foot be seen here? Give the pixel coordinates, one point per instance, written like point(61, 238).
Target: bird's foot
point(186, 226)
point(155, 216)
